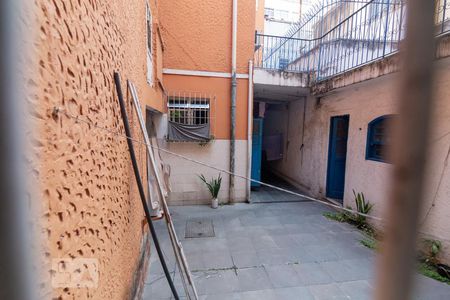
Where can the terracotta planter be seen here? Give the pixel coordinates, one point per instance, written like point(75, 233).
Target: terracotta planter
point(214, 203)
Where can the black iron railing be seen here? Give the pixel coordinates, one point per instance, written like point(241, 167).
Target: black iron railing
point(341, 35)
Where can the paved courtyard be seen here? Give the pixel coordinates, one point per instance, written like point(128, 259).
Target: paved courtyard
point(273, 251)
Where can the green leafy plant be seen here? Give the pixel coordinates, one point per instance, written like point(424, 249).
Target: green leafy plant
point(362, 206)
point(431, 249)
point(336, 216)
point(431, 272)
point(213, 185)
point(369, 242)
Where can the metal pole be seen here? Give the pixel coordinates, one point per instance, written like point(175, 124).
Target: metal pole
point(249, 127)
point(126, 124)
point(16, 264)
point(396, 265)
point(444, 7)
point(386, 28)
point(233, 102)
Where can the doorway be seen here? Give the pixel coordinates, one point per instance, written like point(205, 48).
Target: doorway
point(337, 157)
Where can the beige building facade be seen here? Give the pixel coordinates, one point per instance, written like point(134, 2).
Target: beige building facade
point(363, 95)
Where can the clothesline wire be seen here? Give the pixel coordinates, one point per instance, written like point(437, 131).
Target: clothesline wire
point(58, 110)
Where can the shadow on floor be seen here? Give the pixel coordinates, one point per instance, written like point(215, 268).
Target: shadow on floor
point(264, 194)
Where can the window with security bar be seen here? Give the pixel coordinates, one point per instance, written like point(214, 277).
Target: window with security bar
point(189, 117)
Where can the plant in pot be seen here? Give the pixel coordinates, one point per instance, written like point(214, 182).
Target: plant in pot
point(214, 188)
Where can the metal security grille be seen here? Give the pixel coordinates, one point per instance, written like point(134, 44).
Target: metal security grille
point(199, 228)
point(189, 108)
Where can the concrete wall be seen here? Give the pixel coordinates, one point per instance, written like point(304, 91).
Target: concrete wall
point(307, 165)
point(90, 204)
point(186, 188)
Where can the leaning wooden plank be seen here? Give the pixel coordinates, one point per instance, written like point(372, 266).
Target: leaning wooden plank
point(185, 272)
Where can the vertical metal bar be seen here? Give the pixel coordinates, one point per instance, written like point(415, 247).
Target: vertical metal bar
point(395, 273)
point(320, 47)
point(341, 44)
point(400, 26)
point(443, 15)
point(16, 280)
point(386, 28)
point(126, 124)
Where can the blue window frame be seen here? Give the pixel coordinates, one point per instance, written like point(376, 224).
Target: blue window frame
point(379, 138)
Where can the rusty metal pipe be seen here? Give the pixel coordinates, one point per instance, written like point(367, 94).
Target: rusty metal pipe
point(396, 264)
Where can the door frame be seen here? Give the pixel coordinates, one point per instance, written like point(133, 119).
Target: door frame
point(329, 164)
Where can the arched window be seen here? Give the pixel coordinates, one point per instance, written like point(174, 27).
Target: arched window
point(379, 138)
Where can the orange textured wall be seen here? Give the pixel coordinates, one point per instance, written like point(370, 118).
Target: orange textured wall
point(90, 205)
point(221, 111)
point(197, 34)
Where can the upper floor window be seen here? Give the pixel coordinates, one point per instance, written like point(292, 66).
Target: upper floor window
point(281, 14)
point(269, 13)
point(379, 138)
point(149, 47)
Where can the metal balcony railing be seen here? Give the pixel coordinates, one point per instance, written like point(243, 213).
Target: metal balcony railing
point(341, 35)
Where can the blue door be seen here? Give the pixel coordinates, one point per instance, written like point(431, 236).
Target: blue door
point(337, 156)
point(257, 150)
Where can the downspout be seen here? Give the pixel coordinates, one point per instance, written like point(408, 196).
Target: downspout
point(249, 127)
point(233, 102)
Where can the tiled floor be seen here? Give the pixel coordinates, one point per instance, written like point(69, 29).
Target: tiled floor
point(273, 251)
point(264, 194)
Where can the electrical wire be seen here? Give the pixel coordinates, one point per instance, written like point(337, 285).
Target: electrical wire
point(57, 110)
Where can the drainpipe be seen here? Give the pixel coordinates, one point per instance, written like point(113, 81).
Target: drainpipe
point(249, 127)
point(233, 101)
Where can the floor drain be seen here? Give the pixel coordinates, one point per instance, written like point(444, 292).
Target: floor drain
point(199, 228)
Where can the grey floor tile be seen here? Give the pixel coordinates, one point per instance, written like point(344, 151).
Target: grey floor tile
point(216, 260)
point(158, 289)
point(348, 270)
point(274, 256)
point(357, 290)
point(228, 296)
point(293, 293)
point(321, 254)
point(216, 282)
point(240, 244)
point(284, 241)
point(246, 259)
point(263, 242)
point(253, 279)
point(427, 288)
point(312, 274)
point(267, 294)
point(282, 276)
point(281, 251)
point(327, 292)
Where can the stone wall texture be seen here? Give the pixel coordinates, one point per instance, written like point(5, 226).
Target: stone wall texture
point(90, 204)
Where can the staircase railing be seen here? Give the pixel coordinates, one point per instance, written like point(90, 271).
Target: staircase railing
point(341, 35)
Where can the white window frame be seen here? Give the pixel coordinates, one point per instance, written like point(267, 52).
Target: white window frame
point(149, 47)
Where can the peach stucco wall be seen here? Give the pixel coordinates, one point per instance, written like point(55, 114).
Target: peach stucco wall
point(197, 34)
point(220, 110)
point(307, 165)
point(90, 205)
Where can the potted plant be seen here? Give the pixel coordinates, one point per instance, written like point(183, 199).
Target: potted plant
point(214, 188)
